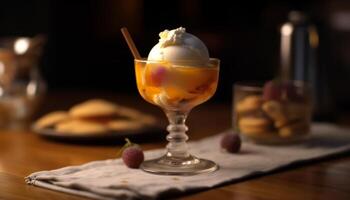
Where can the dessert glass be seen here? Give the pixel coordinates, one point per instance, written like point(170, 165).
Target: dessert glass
point(177, 89)
point(279, 119)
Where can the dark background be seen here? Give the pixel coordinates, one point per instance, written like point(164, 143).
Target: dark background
point(85, 49)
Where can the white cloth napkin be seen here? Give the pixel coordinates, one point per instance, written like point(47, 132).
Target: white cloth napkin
point(111, 179)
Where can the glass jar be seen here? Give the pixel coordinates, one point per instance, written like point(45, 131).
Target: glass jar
point(272, 113)
point(21, 85)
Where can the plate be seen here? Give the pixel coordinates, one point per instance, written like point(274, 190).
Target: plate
point(147, 132)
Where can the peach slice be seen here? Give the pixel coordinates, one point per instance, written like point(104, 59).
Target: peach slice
point(190, 78)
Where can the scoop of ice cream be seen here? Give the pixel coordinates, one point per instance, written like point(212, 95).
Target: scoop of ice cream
point(179, 47)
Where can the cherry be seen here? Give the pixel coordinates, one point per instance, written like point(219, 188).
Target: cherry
point(231, 142)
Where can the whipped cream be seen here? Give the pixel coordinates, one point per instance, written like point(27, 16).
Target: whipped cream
point(172, 37)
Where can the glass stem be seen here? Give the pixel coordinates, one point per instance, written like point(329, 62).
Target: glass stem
point(177, 146)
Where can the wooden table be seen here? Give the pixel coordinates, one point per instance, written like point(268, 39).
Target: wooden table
point(23, 152)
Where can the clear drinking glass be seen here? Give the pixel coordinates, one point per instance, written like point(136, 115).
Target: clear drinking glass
point(177, 89)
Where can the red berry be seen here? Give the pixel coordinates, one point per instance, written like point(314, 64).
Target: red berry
point(292, 92)
point(231, 142)
point(155, 75)
point(272, 91)
point(133, 156)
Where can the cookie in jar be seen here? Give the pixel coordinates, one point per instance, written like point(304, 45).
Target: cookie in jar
point(276, 112)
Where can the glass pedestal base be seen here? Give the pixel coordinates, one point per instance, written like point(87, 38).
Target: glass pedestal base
point(169, 165)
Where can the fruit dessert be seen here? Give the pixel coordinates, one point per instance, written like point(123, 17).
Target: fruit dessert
point(178, 73)
point(177, 76)
point(278, 112)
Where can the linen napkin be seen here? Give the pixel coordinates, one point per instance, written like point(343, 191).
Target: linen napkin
point(111, 179)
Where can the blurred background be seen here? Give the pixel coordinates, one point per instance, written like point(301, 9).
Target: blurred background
point(85, 50)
